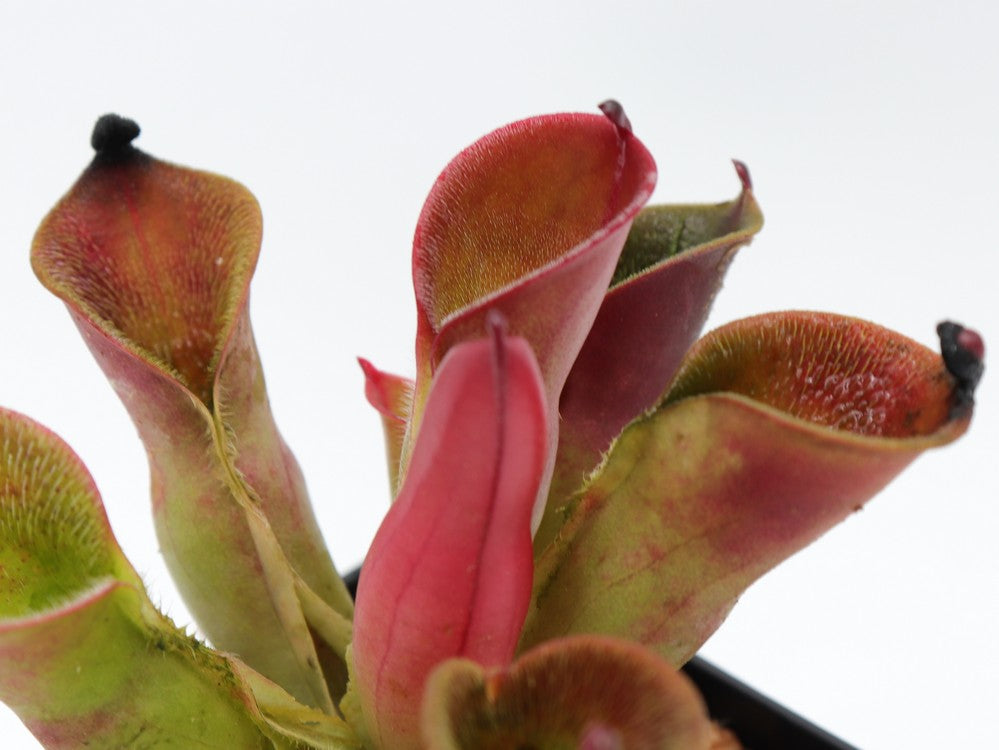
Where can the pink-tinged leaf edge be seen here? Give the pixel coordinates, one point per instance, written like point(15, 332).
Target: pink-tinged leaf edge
point(392, 397)
point(528, 221)
point(775, 429)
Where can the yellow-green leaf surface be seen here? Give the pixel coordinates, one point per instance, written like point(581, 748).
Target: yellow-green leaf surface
point(85, 659)
point(585, 692)
point(154, 263)
point(775, 429)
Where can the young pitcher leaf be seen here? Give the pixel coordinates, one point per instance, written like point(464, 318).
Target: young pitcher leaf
point(585, 692)
point(775, 429)
point(670, 268)
point(449, 571)
point(392, 397)
point(85, 660)
point(154, 263)
point(529, 221)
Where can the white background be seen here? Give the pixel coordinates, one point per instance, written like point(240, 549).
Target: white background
point(871, 131)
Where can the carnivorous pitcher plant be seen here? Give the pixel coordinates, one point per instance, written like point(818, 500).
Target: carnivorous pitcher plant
point(581, 488)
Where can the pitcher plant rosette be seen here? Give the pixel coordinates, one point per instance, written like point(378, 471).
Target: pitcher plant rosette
point(581, 488)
